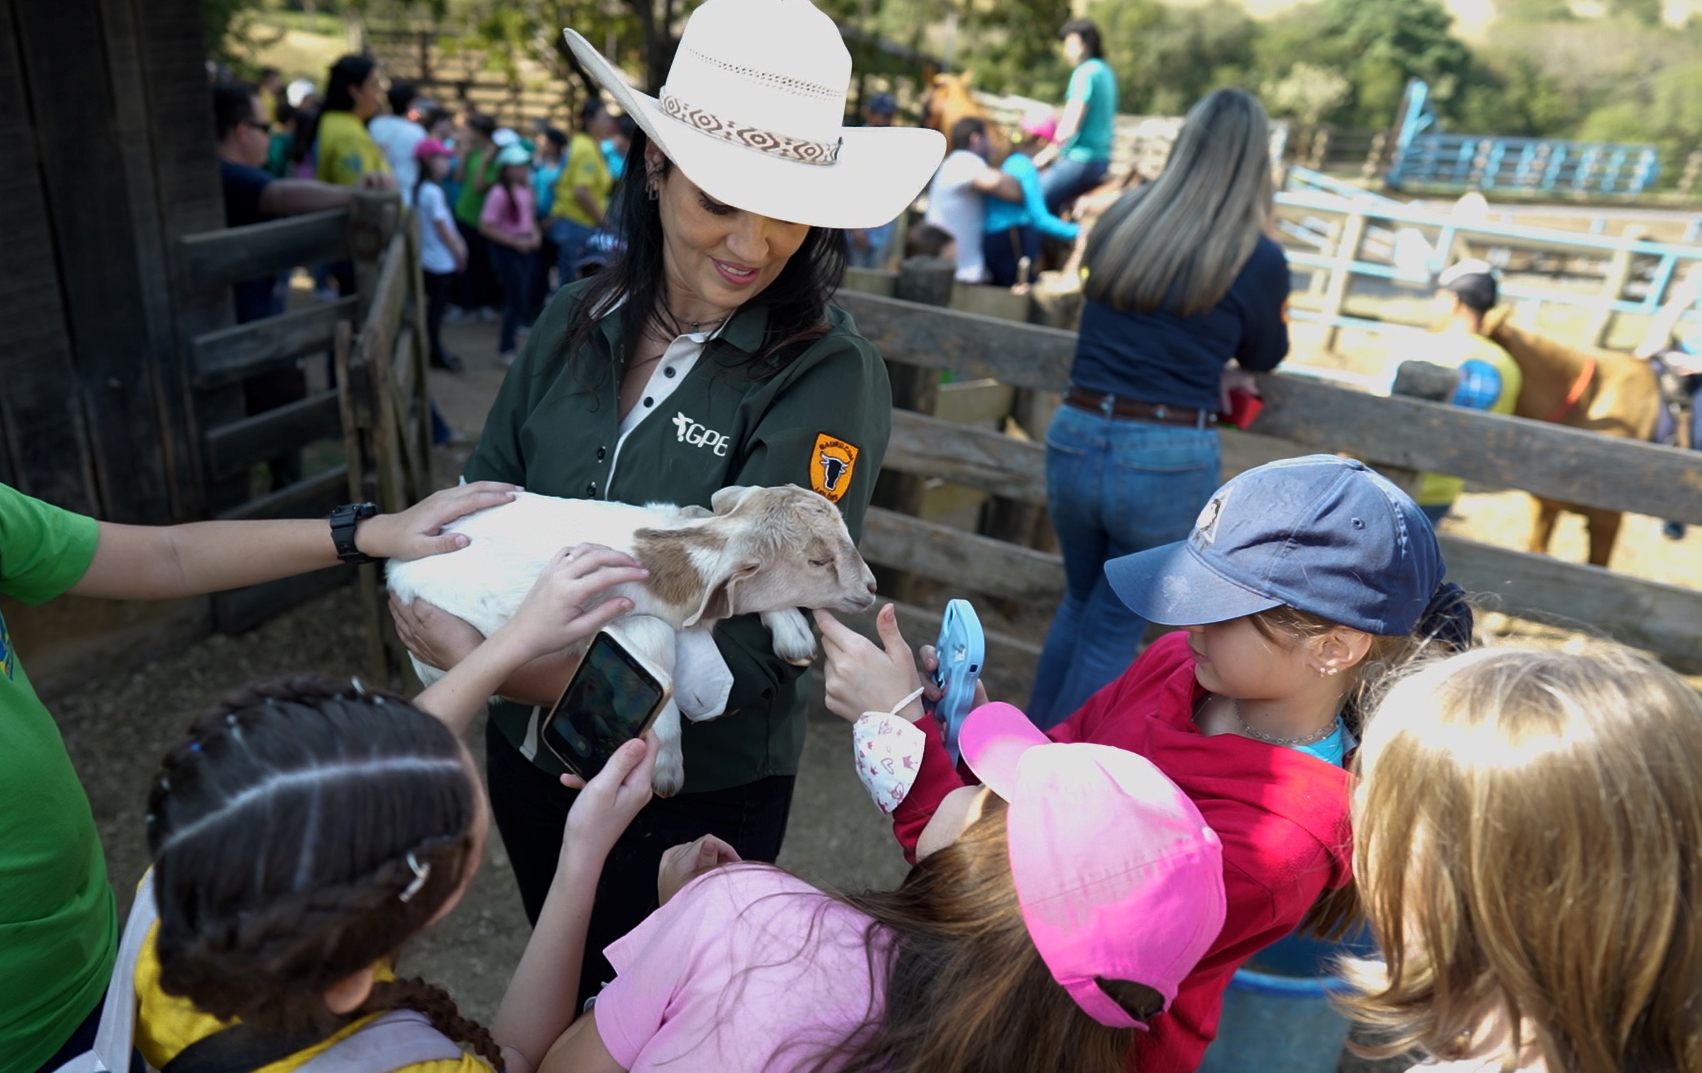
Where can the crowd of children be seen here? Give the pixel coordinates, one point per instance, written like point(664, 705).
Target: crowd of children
point(1521, 829)
point(521, 207)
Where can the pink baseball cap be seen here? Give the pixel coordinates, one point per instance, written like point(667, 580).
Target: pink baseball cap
point(1039, 123)
point(1118, 875)
point(431, 147)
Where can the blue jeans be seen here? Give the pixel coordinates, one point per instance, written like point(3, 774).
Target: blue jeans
point(1114, 487)
point(1067, 180)
point(569, 238)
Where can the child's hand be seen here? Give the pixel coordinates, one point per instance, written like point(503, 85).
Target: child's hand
point(684, 863)
point(608, 802)
point(929, 657)
point(862, 678)
point(418, 531)
point(563, 607)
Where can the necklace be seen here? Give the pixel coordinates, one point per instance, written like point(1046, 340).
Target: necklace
point(1272, 739)
point(694, 325)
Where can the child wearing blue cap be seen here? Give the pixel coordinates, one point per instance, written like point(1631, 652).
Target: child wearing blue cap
point(1301, 582)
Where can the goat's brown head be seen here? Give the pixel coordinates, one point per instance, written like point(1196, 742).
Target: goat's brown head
point(769, 549)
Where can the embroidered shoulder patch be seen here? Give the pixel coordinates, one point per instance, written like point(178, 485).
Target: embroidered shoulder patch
point(831, 463)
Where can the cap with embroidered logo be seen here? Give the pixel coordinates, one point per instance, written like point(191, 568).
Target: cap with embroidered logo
point(1321, 534)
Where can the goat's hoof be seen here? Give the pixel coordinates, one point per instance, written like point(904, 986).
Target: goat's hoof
point(804, 661)
point(669, 775)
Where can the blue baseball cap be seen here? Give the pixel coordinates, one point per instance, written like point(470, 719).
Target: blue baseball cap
point(1322, 534)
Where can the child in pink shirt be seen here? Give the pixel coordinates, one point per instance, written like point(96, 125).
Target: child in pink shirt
point(510, 221)
point(995, 951)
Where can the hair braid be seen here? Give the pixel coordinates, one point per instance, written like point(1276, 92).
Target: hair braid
point(433, 1001)
point(282, 829)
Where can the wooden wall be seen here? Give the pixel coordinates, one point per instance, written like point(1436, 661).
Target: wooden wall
point(110, 125)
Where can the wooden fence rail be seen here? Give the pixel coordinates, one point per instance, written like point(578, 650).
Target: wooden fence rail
point(1299, 416)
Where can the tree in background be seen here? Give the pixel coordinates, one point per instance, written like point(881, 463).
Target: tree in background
point(1167, 57)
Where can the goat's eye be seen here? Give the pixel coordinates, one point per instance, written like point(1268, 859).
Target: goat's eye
point(821, 562)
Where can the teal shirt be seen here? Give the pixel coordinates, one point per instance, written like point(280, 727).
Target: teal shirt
point(1093, 83)
point(1031, 211)
point(554, 428)
point(58, 925)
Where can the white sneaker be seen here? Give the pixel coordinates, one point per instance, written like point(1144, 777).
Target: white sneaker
point(505, 359)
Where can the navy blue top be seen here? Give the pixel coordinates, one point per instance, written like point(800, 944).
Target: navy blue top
point(243, 186)
point(1164, 358)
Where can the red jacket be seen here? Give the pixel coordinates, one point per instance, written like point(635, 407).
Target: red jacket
point(1282, 816)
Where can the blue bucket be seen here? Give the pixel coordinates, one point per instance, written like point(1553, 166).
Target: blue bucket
point(1277, 1016)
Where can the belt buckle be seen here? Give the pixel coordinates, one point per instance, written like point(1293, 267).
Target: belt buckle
point(1107, 404)
point(1160, 412)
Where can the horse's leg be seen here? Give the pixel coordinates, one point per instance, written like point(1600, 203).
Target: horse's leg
point(1604, 529)
point(1548, 512)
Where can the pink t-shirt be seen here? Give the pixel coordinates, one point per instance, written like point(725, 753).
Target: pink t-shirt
point(513, 216)
point(742, 963)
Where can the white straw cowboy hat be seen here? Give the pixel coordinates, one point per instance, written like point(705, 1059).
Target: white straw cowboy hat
point(753, 113)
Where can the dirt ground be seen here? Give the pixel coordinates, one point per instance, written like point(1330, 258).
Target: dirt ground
point(117, 727)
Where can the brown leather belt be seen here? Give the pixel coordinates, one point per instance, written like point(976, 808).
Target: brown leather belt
point(1097, 402)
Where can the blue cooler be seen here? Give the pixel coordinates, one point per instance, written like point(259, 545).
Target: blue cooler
point(1277, 1016)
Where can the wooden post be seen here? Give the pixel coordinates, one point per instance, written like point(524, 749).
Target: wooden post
point(373, 218)
point(929, 281)
point(1341, 275)
point(1374, 157)
point(1692, 171)
point(1618, 274)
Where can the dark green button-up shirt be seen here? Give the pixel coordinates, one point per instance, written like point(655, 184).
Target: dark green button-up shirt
point(820, 422)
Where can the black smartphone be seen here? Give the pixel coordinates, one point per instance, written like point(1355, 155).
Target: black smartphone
point(613, 697)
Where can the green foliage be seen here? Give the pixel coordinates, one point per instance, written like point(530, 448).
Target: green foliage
point(234, 34)
point(1167, 57)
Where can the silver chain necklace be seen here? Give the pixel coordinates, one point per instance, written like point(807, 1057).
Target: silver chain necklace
point(1272, 739)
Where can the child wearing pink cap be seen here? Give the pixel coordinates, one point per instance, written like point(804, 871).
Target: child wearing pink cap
point(1300, 581)
point(1053, 909)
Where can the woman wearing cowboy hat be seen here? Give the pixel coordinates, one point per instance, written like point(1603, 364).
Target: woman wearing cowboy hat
point(706, 355)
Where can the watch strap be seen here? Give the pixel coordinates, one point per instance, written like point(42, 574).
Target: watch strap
point(343, 522)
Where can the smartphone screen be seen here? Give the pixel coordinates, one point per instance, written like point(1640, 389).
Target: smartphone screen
point(609, 702)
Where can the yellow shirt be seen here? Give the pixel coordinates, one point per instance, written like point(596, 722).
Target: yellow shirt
point(346, 151)
point(167, 1024)
point(1457, 350)
point(585, 167)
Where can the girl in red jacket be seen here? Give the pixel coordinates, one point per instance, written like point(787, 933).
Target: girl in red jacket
point(1301, 581)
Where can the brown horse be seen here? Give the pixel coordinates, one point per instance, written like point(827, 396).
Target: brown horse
point(1584, 387)
point(949, 100)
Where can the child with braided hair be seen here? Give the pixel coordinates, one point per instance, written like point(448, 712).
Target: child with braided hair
point(306, 828)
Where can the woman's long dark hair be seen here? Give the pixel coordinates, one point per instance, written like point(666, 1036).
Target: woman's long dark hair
point(347, 73)
point(796, 300)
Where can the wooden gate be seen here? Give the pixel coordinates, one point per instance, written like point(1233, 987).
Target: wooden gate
point(1397, 435)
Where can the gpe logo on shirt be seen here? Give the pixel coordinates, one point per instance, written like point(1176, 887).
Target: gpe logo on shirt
point(691, 432)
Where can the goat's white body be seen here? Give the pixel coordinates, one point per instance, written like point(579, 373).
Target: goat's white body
point(485, 583)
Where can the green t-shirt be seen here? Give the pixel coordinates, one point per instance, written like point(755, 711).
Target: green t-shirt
point(58, 924)
point(1094, 84)
point(821, 422)
point(480, 164)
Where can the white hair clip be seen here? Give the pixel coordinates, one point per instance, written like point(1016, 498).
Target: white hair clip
point(360, 690)
point(422, 872)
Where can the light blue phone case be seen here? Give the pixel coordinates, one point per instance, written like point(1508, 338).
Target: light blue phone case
point(962, 649)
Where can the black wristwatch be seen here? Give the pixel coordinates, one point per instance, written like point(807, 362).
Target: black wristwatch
point(343, 522)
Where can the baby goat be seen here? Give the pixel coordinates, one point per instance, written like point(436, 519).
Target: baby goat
point(761, 550)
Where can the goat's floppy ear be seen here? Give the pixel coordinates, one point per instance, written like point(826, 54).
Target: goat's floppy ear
point(727, 500)
point(718, 592)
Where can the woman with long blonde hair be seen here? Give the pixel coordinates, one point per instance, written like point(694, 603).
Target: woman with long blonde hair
point(1181, 279)
point(1528, 844)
